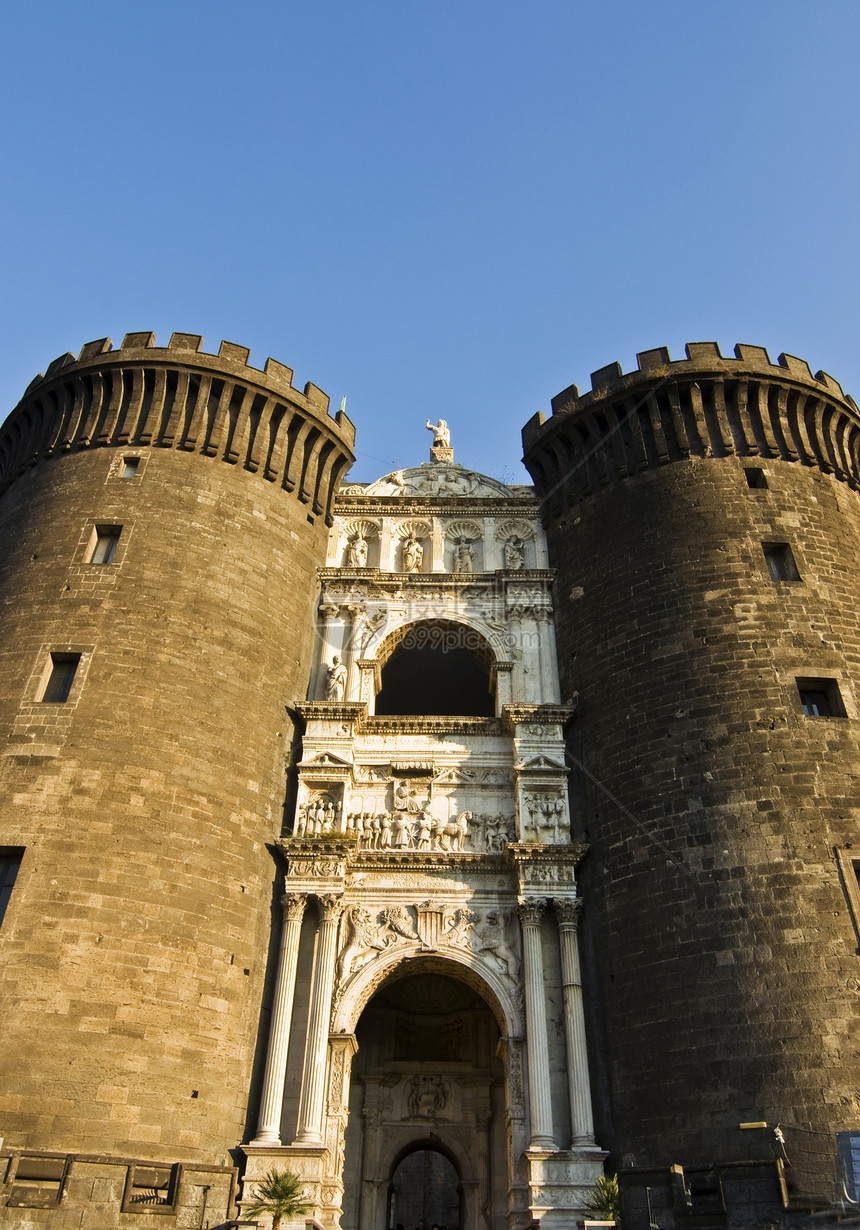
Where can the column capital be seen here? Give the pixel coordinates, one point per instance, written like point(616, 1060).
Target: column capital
point(293, 906)
point(531, 910)
point(568, 912)
point(331, 906)
point(329, 610)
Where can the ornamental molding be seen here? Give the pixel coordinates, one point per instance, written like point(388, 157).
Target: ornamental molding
point(441, 478)
point(545, 766)
point(325, 760)
point(399, 861)
point(360, 528)
point(412, 528)
point(462, 531)
point(515, 527)
point(488, 936)
point(544, 870)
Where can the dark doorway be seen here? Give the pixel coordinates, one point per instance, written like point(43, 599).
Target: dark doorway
point(425, 1187)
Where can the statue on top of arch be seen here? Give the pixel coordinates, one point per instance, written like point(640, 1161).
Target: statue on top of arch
point(440, 449)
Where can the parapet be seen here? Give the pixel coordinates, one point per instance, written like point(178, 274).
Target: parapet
point(707, 405)
point(178, 396)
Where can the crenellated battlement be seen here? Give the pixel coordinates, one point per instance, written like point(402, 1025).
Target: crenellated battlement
point(179, 396)
point(707, 405)
point(189, 347)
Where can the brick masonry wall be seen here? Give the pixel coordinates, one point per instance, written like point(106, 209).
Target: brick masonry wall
point(720, 954)
point(133, 951)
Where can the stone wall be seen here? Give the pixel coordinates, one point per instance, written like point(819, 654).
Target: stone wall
point(722, 965)
point(134, 949)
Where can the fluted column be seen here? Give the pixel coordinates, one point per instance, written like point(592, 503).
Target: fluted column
point(548, 659)
point(329, 612)
point(540, 1101)
point(268, 1128)
point(352, 647)
point(313, 1076)
point(579, 1086)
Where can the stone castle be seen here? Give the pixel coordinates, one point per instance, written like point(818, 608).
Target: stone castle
point(442, 841)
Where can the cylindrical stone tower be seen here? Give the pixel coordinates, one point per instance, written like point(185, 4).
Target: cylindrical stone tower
point(162, 515)
point(704, 519)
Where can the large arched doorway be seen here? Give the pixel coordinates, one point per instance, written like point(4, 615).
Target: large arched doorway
point(426, 1136)
point(425, 1187)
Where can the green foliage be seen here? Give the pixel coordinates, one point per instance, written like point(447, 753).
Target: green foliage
point(279, 1195)
point(604, 1199)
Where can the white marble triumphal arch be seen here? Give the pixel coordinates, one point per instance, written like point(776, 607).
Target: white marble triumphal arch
point(427, 1040)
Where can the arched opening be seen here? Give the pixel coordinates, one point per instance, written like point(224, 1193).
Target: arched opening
point(424, 1188)
point(426, 1138)
point(437, 667)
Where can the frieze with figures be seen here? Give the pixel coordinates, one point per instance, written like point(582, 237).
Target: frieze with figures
point(403, 830)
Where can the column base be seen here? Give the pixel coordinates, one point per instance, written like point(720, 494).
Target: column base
point(266, 1140)
point(542, 1145)
point(309, 1142)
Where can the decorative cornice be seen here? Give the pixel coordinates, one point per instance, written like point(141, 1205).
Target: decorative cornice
point(382, 578)
point(389, 505)
point(535, 854)
point(424, 860)
point(331, 710)
point(431, 724)
point(543, 715)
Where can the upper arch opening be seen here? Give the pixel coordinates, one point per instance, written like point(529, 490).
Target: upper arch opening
point(436, 667)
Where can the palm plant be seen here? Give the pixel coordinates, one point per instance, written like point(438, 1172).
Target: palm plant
point(279, 1194)
point(604, 1199)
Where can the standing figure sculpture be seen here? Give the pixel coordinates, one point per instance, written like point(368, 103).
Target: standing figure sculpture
point(335, 680)
point(358, 552)
point(441, 434)
point(514, 556)
point(413, 554)
point(465, 558)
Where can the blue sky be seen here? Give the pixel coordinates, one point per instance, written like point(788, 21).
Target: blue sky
point(433, 208)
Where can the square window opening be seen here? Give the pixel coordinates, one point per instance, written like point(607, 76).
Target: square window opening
point(755, 477)
point(821, 698)
point(104, 544)
point(130, 467)
point(61, 677)
point(150, 1189)
point(780, 561)
point(38, 1182)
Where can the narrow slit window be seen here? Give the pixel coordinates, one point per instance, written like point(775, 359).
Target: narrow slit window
point(10, 863)
point(821, 698)
point(105, 545)
point(849, 874)
point(59, 685)
point(130, 467)
point(755, 477)
point(780, 561)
